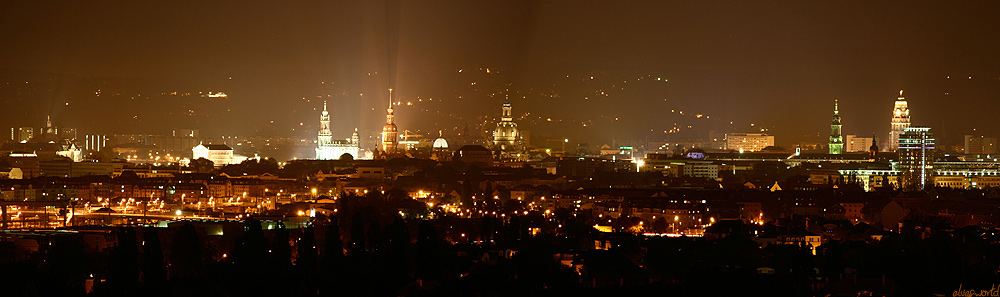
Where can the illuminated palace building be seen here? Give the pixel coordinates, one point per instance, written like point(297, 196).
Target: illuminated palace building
point(332, 149)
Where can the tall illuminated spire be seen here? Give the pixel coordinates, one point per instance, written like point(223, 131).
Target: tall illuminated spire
point(836, 138)
point(389, 131)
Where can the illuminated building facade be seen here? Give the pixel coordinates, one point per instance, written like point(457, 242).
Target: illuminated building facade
point(219, 154)
point(24, 134)
point(900, 121)
point(332, 149)
point(916, 157)
point(854, 144)
point(836, 139)
point(389, 131)
point(748, 142)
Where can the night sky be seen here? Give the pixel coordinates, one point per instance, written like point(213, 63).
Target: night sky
point(112, 66)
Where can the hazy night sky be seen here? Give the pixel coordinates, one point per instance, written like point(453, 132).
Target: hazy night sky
point(779, 65)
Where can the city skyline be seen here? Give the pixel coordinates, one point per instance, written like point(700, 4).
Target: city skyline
point(747, 70)
point(500, 148)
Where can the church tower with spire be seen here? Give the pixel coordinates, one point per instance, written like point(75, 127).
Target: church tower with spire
point(900, 121)
point(325, 137)
point(873, 150)
point(389, 131)
point(328, 148)
point(836, 138)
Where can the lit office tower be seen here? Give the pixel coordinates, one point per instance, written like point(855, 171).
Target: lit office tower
point(916, 155)
point(24, 134)
point(980, 145)
point(900, 121)
point(836, 139)
point(95, 143)
point(749, 142)
point(389, 140)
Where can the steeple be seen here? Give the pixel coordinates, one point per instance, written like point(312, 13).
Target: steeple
point(873, 150)
point(49, 129)
point(327, 148)
point(836, 139)
point(389, 131)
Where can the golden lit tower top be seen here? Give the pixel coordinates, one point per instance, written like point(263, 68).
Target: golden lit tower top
point(900, 121)
point(389, 131)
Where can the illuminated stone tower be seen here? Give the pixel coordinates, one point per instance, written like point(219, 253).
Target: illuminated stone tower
point(328, 148)
point(505, 136)
point(836, 139)
point(900, 121)
point(325, 136)
point(389, 140)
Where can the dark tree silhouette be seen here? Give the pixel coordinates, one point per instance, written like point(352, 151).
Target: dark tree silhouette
point(281, 252)
point(123, 264)
point(358, 244)
point(154, 274)
point(187, 256)
point(202, 165)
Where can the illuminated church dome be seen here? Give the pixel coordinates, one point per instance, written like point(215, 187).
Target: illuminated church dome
point(440, 143)
point(506, 135)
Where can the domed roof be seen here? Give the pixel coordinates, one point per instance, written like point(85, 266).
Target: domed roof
point(440, 143)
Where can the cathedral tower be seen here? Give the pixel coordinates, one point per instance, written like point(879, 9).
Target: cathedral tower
point(389, 140)
point(325, 136)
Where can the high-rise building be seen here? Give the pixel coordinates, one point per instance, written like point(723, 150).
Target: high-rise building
point(854, 144)
point(328, 148)
point(836, 139)
point(24, 134)
point(389, 131)
point(505, 136)
point(900, 121)
point(68, 134)
point(95, 143)
point(185, 133)
point(916, 157)
point(980, 145)
point(748, 142)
